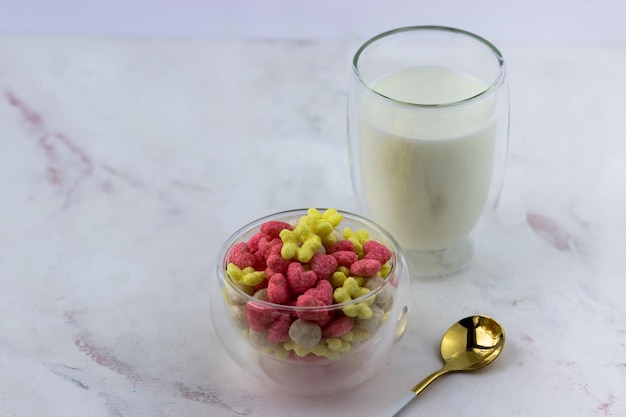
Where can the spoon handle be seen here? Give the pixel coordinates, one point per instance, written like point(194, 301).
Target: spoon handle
point(401, 402)
point(408, 397)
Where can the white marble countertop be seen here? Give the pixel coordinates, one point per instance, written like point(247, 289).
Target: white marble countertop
point(124, 164)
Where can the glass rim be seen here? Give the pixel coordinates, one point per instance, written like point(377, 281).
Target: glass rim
point(490, 89)
point(396, 256)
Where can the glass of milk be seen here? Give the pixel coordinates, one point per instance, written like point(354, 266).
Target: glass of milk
point(428, 121)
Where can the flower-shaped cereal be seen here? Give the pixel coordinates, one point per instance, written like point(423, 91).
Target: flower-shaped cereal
point(351, 290)
point(300, 244)
point(247, 276)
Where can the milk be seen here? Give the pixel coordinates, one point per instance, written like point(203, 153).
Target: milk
point(426, 173)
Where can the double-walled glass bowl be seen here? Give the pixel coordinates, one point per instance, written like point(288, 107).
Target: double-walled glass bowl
point(334, 363)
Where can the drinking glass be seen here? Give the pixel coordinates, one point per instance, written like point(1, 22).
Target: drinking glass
point(428, 123)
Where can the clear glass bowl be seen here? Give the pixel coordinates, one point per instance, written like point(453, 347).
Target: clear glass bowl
point(334, 363)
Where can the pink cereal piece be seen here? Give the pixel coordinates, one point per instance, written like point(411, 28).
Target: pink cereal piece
point(274, 227)
point(345, 258)
point(260, 317)
point(269, 272)
point(323, 291)
point(279, 330)
point(277, 263)
point(253, 242)
point(266, 246)
point(278, 289)
point(323, 265)
point(376, 250)
point(299, 279)
point(365, 267)
point(240, 255)
point(318, 315)
point(338, 327)
point(341, 245)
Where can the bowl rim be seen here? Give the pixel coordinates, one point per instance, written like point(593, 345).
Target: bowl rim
point(397, 257)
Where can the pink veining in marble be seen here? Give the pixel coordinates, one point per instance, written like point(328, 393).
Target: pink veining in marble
point(550, 231)
point(32, 118)
point(106, 358)
point(204, 397)
point(67, 164)
point(129, 179)
point(605, 406)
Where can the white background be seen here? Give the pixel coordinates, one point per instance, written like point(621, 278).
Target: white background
point(528, 21)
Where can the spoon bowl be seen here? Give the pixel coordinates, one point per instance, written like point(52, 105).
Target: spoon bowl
point(471, 343)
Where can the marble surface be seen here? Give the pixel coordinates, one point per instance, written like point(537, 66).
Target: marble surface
point(126, 163)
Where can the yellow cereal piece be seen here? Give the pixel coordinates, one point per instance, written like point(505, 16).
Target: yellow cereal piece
point(317, 223)
point(300, 244)
point(319, 350)
point(359, 334)
point(323, 224)
point(333, 216)
point(280, 351)
point(344, 269)
point(332, 355)
point(361, 310)
point(336, 344)
point(348, 336)
point(338, 278)
point(226, 296)
point(386, 268)
point(357, 238)
point(351, 290)
point(247, 276)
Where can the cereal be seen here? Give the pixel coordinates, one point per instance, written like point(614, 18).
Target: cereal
point(323, 265)
point(345, 257)
point(338, 327)
point(376, 250)
point(253, 242)
point(384, 298)
point(241, 257)
point(260, 317)
point(278, 289)
point(341, 245)
point(247, 276)
point(299, 271)
point(274, 227)
point(279, 329)
point(336, 344)
point(277, 264)
point(339, 277)
point(323, 224)
point(365, 267)
point(374, 321)
point(304, 333)
point(318, 316)
point(300, 244)
point(299, 279)
point(351, 291)
point(238, 313)
point(357, 238)
point(323, 291)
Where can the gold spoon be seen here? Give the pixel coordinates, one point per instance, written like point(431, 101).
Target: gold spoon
point(470, 344)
